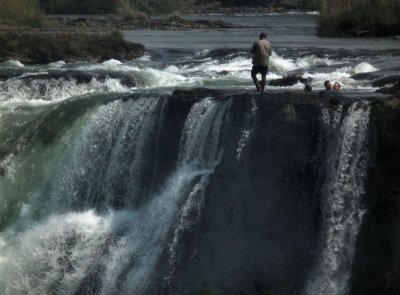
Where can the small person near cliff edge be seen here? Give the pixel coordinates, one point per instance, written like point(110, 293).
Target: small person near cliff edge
point(336, 86)
point(261, 51)
point(307, 87)
point(328, 85)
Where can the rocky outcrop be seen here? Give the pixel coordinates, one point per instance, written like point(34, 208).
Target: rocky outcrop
point(288, 81)
point(377, 263)
point(254, 235)
point(395, 89)
point(173, 22)
point(45, 48)
point(242, 6)
point(178, 23)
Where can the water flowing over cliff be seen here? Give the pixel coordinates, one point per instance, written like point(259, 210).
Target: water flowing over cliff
point(167, 174)
point(150, 194)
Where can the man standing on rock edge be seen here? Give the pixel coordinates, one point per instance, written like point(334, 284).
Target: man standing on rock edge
point(260, 52)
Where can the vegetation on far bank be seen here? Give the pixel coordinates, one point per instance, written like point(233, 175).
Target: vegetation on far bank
point(359, 17)
point(108, 6)
point(337, 17)
point(26, 12)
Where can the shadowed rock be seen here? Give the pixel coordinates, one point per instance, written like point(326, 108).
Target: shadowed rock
point(288, 81)
point(50, 47)
point(390, 90)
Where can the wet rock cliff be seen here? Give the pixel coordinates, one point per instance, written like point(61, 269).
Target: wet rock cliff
point(377, 264)
point(262, 224)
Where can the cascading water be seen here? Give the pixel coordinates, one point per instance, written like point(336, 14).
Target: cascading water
point(343, 192)
point(83, 230)
point(55, 89)
point(247, 131)
point(197, 154)
point(122, 177)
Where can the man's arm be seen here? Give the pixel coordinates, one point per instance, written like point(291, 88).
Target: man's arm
point(253, 48)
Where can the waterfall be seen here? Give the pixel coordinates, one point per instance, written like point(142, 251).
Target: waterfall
point(342, 203)
point(32, 88)
point(247, 130)
point(194, 156)
point(82, 230)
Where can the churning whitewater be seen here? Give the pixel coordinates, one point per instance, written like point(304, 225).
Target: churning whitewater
point(88, 210)
point(77, 233)
point(343, 192)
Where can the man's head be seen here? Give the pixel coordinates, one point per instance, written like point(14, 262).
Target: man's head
point(263, 36)
point(336, 86)
point(328, 85)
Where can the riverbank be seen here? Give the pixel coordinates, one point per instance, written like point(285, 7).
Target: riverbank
point(85, 24)
point(207, 9)
point(41, 48)
point(358, 18)
point(84, 39)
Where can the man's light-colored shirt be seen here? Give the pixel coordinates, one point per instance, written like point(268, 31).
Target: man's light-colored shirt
point(261, 51)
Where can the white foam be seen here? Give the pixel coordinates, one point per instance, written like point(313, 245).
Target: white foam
point(172, 69)
point(281, 64)
point(145, 57)
point(12, 63)
point(111, 63)
point(56, 64)
point(63, 249)
point(278, 63)
point(33, 260)
point(199, 70)
point(157, 78)
point(364, 67)
point(342, 202)
point(55, 89)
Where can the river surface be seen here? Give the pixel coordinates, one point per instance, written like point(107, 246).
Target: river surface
point(221, 59)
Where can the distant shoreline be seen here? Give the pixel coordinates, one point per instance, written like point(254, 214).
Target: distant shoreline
point(110, 23)
point(43, 48)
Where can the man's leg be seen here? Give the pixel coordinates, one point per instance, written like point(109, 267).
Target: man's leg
point(263, 81)
point(264, 72)
point(254, 77)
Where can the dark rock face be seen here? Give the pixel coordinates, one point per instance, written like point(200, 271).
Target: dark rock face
point(255, 237)
point(178, 23)
point(385, 80)
point(195, 94)
point(390, 90)
point(287, 81)
point(377, 263)
point(46, 48)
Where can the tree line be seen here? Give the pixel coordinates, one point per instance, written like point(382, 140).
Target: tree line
point(359, 17)
point(337, 17)
point(107, 6)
